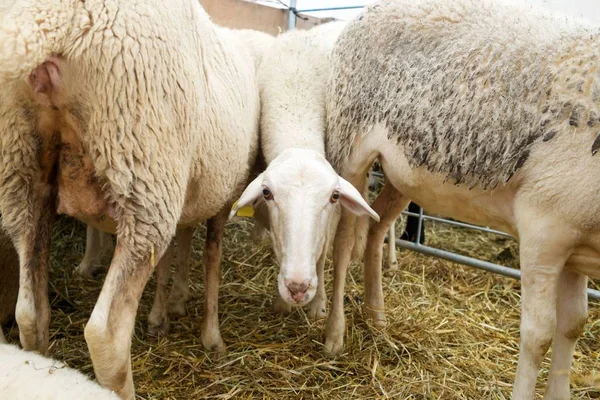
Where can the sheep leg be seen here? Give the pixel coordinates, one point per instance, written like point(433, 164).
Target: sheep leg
point(389, 204)
point(180, 292)
point(543, 258)
point(211, 334)
point(109, 330)
point(33, 243)
point(280, 306)
point(571, 317)
point(538, 321)
point(32, 230)
point(318, 306)
point(259, 233)
point(342, 252)
point(158, 319)
point(343, 243)
point(98, 251)
point(392, 259)
point(33, 309)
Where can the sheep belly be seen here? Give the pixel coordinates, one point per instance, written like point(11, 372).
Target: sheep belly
point(79, 192)
point(585, 260)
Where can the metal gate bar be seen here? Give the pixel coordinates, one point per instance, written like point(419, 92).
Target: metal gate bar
point(457, 223)
point(460, 259)
point(329, 9)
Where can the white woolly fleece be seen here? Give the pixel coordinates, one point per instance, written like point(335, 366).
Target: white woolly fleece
point(292, 83)
point(467, 87)
point(26, 375)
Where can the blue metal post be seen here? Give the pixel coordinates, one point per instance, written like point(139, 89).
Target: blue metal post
point(292, 16)
point(330, 9)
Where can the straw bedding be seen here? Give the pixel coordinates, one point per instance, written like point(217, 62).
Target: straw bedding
point(452, 331)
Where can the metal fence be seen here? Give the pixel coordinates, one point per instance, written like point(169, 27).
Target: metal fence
point(416, 245)
point(458, 258)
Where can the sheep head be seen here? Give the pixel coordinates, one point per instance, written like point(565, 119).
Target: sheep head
point(303, 195)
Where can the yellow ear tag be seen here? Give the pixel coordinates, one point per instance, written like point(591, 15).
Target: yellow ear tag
point(246, 211)
point(152, 254)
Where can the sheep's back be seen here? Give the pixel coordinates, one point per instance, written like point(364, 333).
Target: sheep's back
point(27, 375)
point(292, 80)
point(173, 108)
point(466, 87)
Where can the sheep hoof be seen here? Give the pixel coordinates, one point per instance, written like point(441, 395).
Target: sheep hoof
point(219, 348)
point(160, 329)
point(280, 306)
point(177, 309)
point(377, 317)
point(379, 323)
point(214, 344)
point(393, 266)
point(317, 310)
point(334, 336)
point(334, 346)
point(87, 269)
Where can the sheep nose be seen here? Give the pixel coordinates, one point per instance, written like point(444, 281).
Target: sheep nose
point(297, 289)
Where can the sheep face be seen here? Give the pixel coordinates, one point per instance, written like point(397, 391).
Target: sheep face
point(303, 194)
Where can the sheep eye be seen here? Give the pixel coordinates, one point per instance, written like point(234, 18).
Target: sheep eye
point(335, 196)
point(267, 194)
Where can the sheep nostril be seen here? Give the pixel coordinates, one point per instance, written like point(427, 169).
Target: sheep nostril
point(297, 289)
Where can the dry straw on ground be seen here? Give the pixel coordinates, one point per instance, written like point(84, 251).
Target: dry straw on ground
point(452, 332)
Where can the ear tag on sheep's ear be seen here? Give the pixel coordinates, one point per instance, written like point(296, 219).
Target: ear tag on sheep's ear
point(246, 211)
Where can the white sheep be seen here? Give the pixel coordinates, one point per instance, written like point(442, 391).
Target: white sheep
point(161, 108)
point(292, 76)
point(489, 113)
point(99, 244)
point(25, 375)
point(256, 43)
point(299, 187)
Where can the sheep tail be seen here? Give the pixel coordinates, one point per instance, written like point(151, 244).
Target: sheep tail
point(33, 30)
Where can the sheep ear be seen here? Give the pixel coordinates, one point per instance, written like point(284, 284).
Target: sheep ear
point(352, 200)
point(250, 198)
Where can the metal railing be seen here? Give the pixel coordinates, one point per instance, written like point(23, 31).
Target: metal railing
point(329, 9)
point(461, 259)
point(292, 11)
